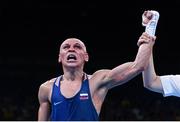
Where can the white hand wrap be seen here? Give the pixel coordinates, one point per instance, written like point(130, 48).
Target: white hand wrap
point(151, 25)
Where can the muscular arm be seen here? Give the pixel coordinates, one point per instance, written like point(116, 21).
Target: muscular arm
point(102, 80)
point(44, 108)
point(125, 72)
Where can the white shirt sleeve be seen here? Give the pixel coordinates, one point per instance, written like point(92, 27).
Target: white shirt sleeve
point(171, 85)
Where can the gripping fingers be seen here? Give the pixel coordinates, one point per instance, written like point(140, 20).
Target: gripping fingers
point(145, 38)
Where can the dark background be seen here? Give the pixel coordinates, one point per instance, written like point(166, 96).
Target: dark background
point(32, 31)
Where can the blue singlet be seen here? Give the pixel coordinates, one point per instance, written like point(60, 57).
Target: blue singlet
point(77, 108)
